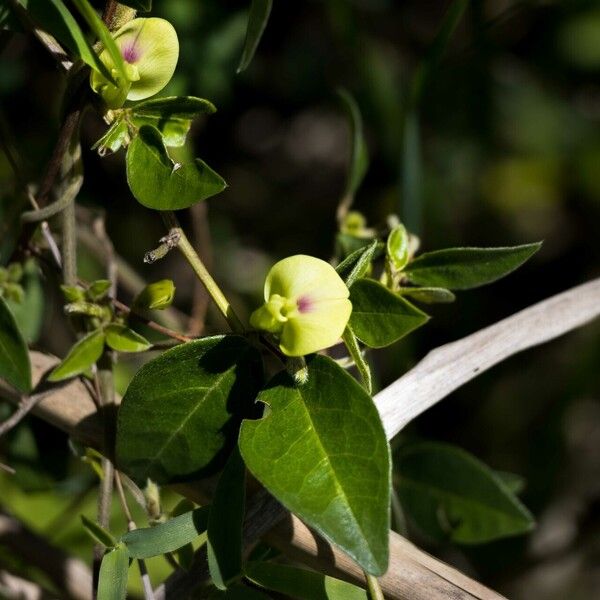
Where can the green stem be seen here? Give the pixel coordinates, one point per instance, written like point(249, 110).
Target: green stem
point(204, 276)
point(373, 587)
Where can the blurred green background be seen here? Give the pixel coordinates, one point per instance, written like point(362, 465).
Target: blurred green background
point(503, 148)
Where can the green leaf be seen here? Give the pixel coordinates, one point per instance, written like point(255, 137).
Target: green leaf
point(397, 247)
point(513, 482)
point(112, 581)
point(14, 356)
point(158, 183)
point(357, 264)
point(116, 136)
point(98, 289)
point(181, 413)
point(185, 554)
point(53, 16)
point(166, 537)
point(302, 584)
point(322, 452)
point(81, 356)
point(257, 23)
point(359, 158)
point(380, 317)
point(464, 268)
point(449, 493)
point(172, 116)
point(225, 523)
point(103, 34)
point(98, 533)
point(428, 295)
point(238, 591)
point(123, 339)
point(359, 360)
point(29, 314)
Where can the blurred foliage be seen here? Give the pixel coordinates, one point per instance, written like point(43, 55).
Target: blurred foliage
point(506, 136)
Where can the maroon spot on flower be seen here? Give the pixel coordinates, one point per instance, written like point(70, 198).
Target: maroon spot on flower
point(305, 304)
point(130, 53)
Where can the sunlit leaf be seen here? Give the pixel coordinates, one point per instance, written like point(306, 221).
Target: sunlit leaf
point(81, 356)
point(157, 182)
point(464, 268)
point(322, 452)
point(168, 536)
point(180, 415)
point(123, 339)
point(380, 317)
point(112, 581)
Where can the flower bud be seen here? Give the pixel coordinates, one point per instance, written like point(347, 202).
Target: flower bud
point(150, 50)
point(306, 305)
point(156, 296)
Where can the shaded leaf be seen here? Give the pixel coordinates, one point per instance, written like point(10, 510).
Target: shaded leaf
point(464, 268)
point(123, 339)
point(428, 295)
point(14, 356)
point(302, 584)
point(115, 137)
point(181, 412)
point(515, 483)
point(380, 317)
point(238, 591)
point(359, 360)
point(166, 537)
point(359, 158)
point(257, 23)
point(81, 356)
point(322, 452)
point(157, 182)
point(98, 533)
point(29, 314)
point(172, 116)
point(103, 34)
point(225, 522)
point(357, 264)
point(449, 493)
point(112, 581)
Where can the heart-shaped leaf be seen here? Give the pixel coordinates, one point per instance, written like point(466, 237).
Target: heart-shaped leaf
point(159, 183)
point(379, 317)
point(180, 415)
point(464, 268)
point(14, 356)
point(449, 493)
point(322, 452)
point(81, 356)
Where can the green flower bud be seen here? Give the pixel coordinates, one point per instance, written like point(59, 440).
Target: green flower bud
point(150, 49)
point(306, 305)
point(156, 296)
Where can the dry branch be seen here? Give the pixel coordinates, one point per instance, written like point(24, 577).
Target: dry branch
point(413, 574)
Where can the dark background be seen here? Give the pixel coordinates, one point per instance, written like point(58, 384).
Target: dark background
point(509, 153)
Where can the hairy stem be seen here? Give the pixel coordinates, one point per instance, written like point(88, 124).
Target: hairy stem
point(202, 273)
point(373, 587)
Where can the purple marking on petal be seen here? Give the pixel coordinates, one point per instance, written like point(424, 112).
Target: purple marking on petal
point(130, 53)
point(305, 304)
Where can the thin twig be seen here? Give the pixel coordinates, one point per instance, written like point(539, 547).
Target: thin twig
point(27, 405)
point(202, 273)
point(200, 297)
point(152, 324)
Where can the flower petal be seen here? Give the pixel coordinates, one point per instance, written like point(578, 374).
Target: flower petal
point(320, 328)
point(152, 45)
point(301, 275)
